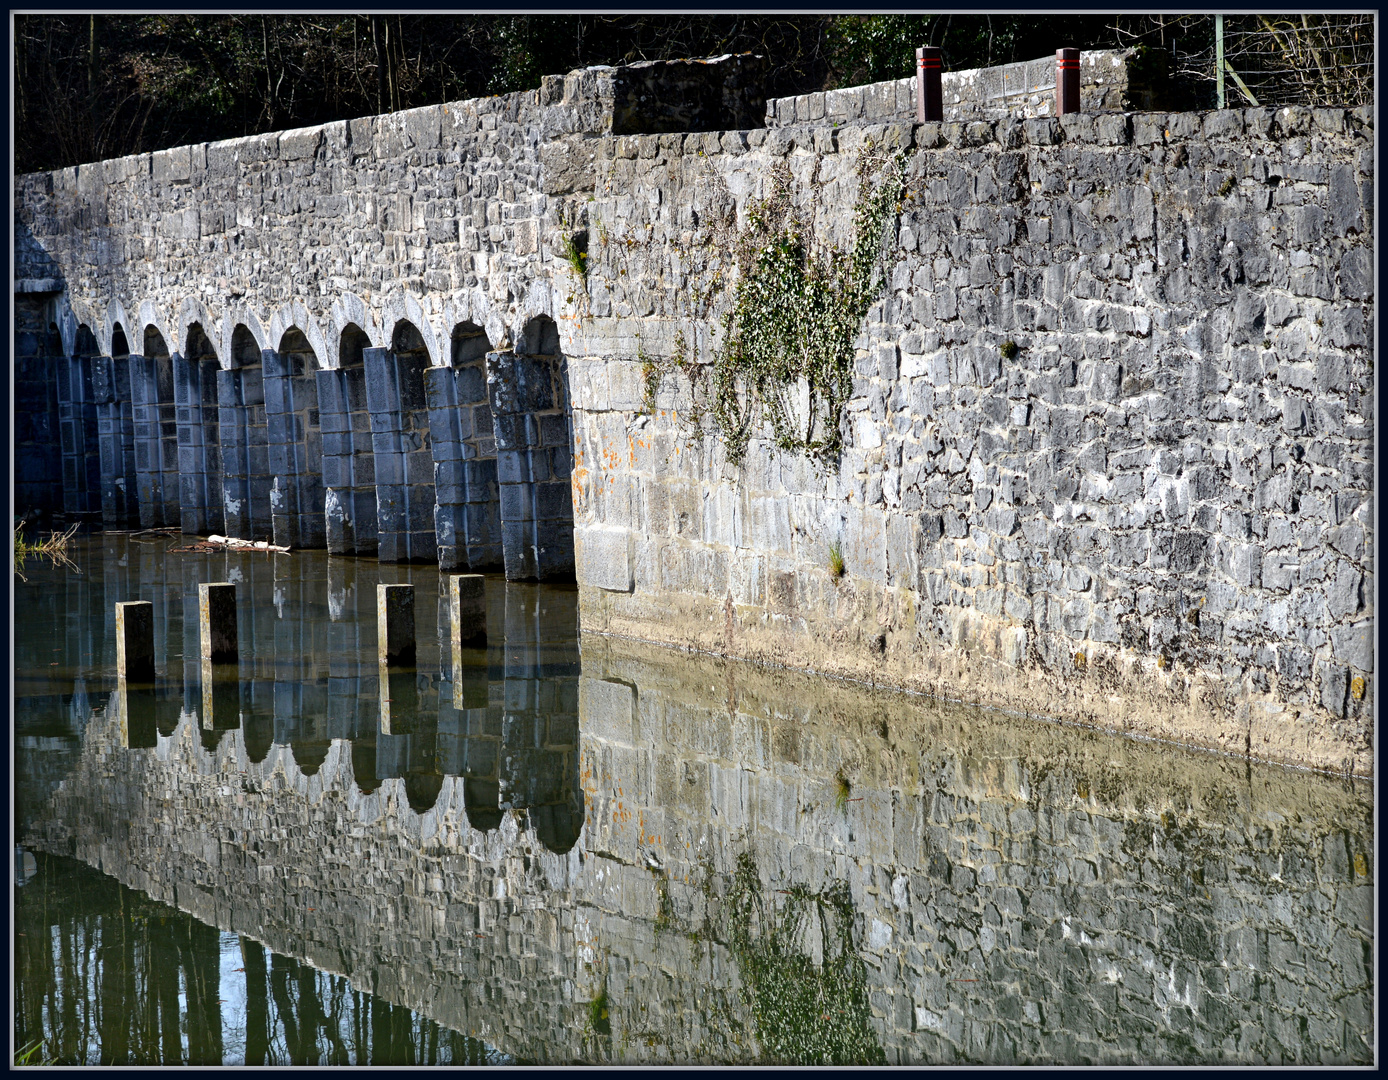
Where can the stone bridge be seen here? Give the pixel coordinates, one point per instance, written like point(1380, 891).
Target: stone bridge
point(1109, 450)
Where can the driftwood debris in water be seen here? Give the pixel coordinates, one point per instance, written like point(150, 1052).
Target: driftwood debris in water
point(246, 545)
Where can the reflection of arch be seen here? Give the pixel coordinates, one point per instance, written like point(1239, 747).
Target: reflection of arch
point(257, 734)
point(482, 802)
point(199, 439)
point(364, 765)
point(309, 756)
point(558, 825)
point(422, 790)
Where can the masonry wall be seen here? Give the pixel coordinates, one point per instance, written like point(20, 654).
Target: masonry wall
point(1155, 516)
point(1109, 453)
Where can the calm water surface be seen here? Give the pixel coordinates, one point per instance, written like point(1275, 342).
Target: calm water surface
point(568, 850)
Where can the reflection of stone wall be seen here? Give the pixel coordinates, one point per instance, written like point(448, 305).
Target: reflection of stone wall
point(1023, 891)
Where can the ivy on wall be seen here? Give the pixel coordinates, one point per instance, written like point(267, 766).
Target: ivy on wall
point(796, 309)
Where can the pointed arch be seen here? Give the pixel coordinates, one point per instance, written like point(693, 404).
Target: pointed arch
point(295, 315)
point(113, 318)
point(349, 310)
point(241, 318)
point(402, 306)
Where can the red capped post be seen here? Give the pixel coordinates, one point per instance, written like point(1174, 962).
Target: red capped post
point(929, 98)
point(1067, 81)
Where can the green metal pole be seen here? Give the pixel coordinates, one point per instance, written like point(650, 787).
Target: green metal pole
point(1219, 61)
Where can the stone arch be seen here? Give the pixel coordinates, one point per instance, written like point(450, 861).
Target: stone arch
point(403, 307)
point(348, 456)
point(148, 320)
point(528, 390)
point(196, 388)
point(246, 475)
point(350, 311)
point(405, 494)
point(156, 422)
point(192, 312)
point(467, 515)
point(114, 318)
point(473, 307)
point(295, 434)
point(295, 315)
point(238, 323)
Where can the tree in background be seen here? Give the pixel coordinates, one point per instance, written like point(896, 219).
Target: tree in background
point(89, 87)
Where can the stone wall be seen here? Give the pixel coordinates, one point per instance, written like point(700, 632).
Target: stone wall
point(1109, 450)
point(1065, 897)
point(1110, 81)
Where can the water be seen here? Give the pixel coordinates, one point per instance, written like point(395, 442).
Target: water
point(569, 850)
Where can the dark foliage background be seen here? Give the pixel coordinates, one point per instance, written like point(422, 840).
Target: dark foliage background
point(97, 86)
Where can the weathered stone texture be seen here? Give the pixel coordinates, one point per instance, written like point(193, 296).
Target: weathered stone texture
point(1156, 514)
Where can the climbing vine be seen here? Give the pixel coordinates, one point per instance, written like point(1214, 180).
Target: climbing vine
point(787, 309)
point(796, 309)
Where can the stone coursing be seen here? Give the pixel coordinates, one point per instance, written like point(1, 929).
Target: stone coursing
point(1156, 514)
point(1066, 898)
point(1111, 426)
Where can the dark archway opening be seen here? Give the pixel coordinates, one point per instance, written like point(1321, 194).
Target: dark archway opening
point(116, 434)
point(79, 429)
point(199, 441)
point(530, 409)
point(467, 521)
point(405, 497)
point(156, 433)
point(246, 476)
point(296, 442)
point(349, 464)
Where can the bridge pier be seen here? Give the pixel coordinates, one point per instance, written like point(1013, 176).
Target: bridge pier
point(77, 427)
point(115, 426)
point(156, 440)
point(295, 447)
point(245, 452)
point(534, 454)
point(404, 466)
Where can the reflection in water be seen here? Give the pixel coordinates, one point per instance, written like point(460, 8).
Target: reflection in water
point(662, 857)
point(106, 976)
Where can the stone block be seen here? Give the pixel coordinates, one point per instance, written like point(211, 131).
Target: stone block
point(135, 640)
point(395, 626)
point(217, 621)
point(603, 558)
